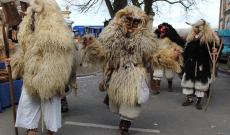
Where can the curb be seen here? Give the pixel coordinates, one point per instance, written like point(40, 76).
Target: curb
point(224, 71)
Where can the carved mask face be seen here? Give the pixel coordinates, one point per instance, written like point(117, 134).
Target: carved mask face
point(131, 25)
point(198, 29)
point(199, 26)
point(87, 41)
point(163, 31)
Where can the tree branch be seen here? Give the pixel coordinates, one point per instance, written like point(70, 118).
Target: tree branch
point(119, 4)
point(182, 2)
point(136, 3)
point(148, 6)
point(84, 7)
point(110, 8)
point(114, 5)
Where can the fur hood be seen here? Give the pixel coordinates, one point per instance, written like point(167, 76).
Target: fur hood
point(133, 11)
point(46, 54)
point(113, 39)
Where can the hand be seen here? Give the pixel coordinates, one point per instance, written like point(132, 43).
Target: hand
point(7, 62)
point(177, 53)
point(214, 50)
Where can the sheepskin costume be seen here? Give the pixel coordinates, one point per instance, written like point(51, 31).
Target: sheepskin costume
point(123, 59)
point(166, 46)
point(197, 68)
point(46, 54)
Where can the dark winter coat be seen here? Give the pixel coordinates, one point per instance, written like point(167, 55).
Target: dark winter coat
point(197, 60)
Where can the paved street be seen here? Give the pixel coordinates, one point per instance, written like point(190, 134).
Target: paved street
point(161, 115)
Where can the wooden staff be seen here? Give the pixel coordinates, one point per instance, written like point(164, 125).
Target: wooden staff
point(214, 57)
point(12, 97)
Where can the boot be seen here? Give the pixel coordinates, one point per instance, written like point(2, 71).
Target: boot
point(64, 105)
point(188, 101)
point(50, 132)
point(101, 86)
point(32, 132)
point(170, 86)
point(198, 103)
point(207, 92)
point(155, 86)
point(106, 100)
point(124, 127)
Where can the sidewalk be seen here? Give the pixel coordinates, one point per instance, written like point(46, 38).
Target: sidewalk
point(224, 68)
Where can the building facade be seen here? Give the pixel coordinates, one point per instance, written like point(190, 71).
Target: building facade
point(224, 17)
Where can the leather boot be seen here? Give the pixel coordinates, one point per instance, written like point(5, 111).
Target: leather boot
point(188, 101)
point(50, 132)
point(32, 132)
point(101, 86)
point(155, 86)
point(198, 103)
point(207, 92)
point(124, 127)
point(106, 100)
point(170, 86)
point(64, 105)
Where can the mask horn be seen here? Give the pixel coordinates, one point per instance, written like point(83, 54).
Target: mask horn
point(188, 23)
point(204, 22)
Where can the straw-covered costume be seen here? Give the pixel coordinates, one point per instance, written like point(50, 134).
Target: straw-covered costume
point(44, 60)
point(121, 49)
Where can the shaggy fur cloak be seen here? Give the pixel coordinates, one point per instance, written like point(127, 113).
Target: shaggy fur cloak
point(123, 57)
point(164, 53)
point(46, 54)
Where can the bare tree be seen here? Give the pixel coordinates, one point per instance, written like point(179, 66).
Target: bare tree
point(150, 6)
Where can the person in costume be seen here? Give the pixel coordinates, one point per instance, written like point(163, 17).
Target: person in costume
point(45, 60)
point(169, 38)
point(121, 49)
point(197, 68)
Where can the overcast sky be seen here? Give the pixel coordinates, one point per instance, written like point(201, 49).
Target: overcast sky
point(174, 15)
